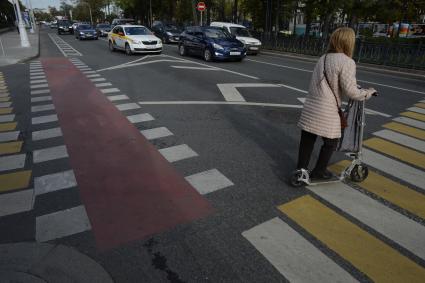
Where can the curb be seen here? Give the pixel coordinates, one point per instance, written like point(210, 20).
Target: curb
point(42, 262)
point(364, 66)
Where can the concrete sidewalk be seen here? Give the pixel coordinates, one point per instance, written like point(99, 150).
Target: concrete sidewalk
point(11, 51)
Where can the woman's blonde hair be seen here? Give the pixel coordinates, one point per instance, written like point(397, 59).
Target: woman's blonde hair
point(342, 40)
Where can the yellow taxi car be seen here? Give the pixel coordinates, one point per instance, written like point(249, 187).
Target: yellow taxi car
point(134, 39)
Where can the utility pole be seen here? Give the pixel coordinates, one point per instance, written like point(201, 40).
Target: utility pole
point(22, 31)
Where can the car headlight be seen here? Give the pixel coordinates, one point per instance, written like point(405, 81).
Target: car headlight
point(217, 46)
point(82, 33)
point(159, 41)
point(243, 41)
point(134, 41)
point(169, 33)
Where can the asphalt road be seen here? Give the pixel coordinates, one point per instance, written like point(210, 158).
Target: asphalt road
point(237, 121)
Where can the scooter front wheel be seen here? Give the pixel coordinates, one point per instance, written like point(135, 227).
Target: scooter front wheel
point(295, 179)
point(359, 173)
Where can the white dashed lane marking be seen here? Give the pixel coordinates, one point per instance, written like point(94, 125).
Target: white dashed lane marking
point(145, 117)
point(54, 182)
point(44, 119)
point(177, 153)
point(209, 181)
point(51, 153)
point(156, 133)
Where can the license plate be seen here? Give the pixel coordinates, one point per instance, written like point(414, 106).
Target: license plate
point(150, 46)
point(176, 38)
point(87, 34)
point(66, 29)
point(253, 48)
point(235, 53)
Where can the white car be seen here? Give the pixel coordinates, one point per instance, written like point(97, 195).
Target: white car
point(242, 34)
point(134, 39)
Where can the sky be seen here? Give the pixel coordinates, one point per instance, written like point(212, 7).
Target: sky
point(43, 4)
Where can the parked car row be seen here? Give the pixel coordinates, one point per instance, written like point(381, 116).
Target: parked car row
point(219, 41)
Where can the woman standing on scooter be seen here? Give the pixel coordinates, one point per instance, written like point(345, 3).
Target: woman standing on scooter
point(334, 76)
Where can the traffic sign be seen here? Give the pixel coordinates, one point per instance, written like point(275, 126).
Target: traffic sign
point(201, 6)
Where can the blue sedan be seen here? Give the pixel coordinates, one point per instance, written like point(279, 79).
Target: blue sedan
point(211, 43)
point(84, 31)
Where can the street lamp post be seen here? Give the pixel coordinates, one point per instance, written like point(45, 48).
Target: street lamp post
point(22, 31)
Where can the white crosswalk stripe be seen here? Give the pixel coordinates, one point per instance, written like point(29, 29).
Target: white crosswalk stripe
point(209, 181)
point(410, 122)
point(177, 153)
point(156, 133)
point(138, 118)
point(54, 182)
point(51, 153)
point(401, 139)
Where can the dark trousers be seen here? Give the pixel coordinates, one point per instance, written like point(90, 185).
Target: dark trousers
point(306, 148)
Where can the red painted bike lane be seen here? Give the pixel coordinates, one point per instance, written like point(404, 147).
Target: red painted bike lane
point(129, 190)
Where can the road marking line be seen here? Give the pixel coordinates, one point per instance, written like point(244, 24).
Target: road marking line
point(46, 134)
point(109, 90)
point(156, 133)
point(6, 127)
point(219, 103)
point(293, 88)
point(39, 86)
point(48, 154)
point(61, 224)
point(11, 162)
point(417, 110)
point(89, 72)
point(6, 110)
point(420, 104)
point(40, 91)
point(127, 106)
point(230, 92)
point(209, 181)
point(10, 147)
point(145, 117)
point(41, 98)
point(44, 119)
point(39, 108)
point(37, 81)
point(16, 202)
point(374, 258)
point(6, 94)
point(9, 136)
point(394, 87)
point(36, 73)
point(117, 97)
point(410, 122)
point(4, 99)
point(413, 115)
point(377, 216)
point(394, 168)
point(177, 153)
point(411, 131)
point(14, 181)
point(195, 68)
point(37, 77)
point(292, 255)
point(98, 80)
point(103, 84)
point(398, 194)
point(85, 69)
point(54, 182)
point(93, 76)
point(5, 104)
point(57, 40)
point(281, 66)
point(399, 152)
point(401, 139)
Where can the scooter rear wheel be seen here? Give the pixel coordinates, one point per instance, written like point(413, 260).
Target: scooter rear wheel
point(359, 173)
point(294, 180)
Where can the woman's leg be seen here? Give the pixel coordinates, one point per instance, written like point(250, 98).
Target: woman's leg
point(328, 148)
point(306, 148)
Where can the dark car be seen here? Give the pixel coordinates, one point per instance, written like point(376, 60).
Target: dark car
point(85, 31)
point(167, 32)
point(64, 26)
point(211, 43)
point(103, 29)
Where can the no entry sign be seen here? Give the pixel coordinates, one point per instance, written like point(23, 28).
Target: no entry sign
point(201, 6)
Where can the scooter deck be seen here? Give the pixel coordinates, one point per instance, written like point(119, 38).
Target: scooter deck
point(332, 181)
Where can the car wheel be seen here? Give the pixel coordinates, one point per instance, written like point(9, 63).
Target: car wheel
point(207, 55)
point(111, 46)
point(128, 49)
point(182, 50)
point(96, 38)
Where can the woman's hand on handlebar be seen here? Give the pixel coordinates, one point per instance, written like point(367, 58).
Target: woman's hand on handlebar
point(372, 91)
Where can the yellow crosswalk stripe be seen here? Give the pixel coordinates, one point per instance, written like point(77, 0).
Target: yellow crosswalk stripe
point(6, 110)
point(389, 190)
point(4, 99)
point(15, 181)
point(5, 127)
point(414, 115)
point(10, 147)
point(368, 254)
point(407, 130)
point(421, 104)
point(400, 152)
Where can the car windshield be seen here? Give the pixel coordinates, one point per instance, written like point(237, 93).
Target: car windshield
point(103, 26)
point(237, 31)
point(137, 31)
point(172, 28)
point(84, 27)
point(216, 33)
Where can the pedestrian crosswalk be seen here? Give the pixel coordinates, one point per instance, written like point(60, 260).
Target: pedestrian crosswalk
point(377, 226)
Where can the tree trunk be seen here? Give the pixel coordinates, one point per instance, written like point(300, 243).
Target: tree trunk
point(235, 11)
point(194, 12)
